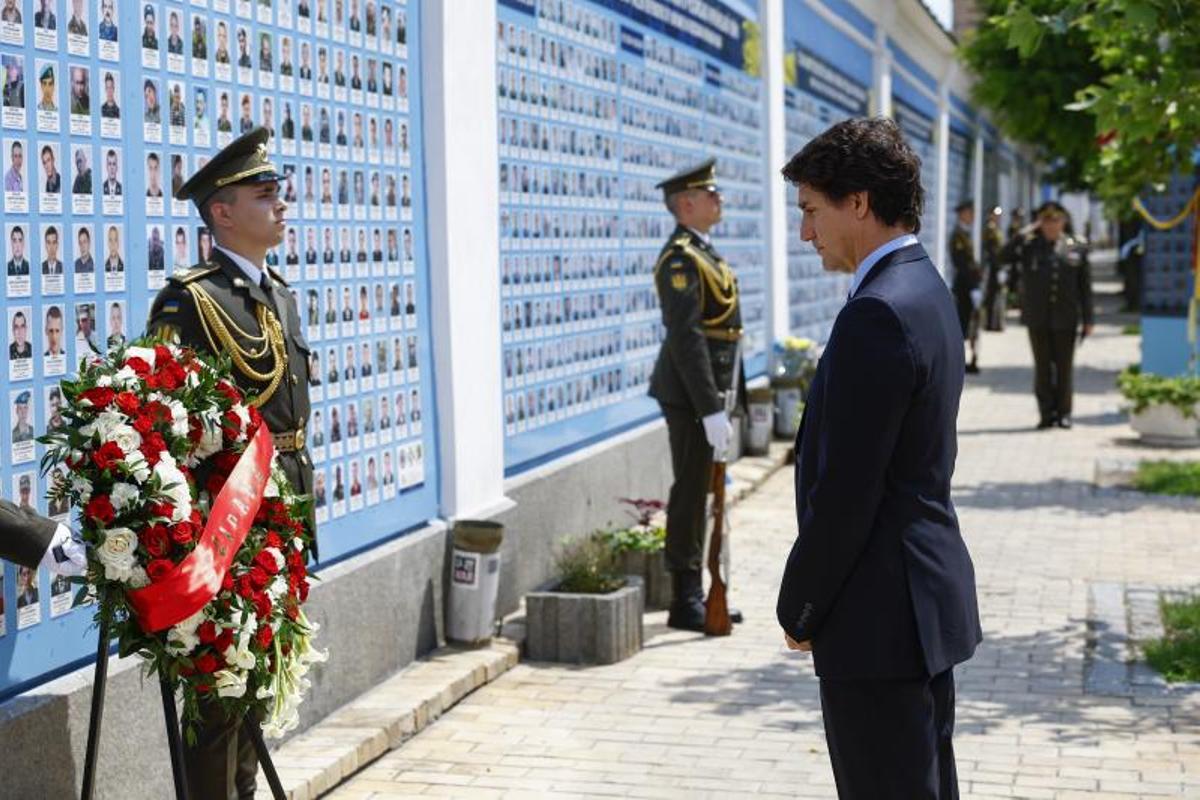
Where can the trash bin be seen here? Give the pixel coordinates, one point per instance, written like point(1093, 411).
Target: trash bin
point(788, 394)
point(474, 580)
point(758, 434)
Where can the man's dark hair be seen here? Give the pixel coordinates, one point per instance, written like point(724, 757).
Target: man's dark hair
point(225, 194)
point(864, 155)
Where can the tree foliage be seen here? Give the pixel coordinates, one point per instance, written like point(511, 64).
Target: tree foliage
point(1132, 112)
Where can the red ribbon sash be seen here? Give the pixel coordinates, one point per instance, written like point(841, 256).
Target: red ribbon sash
point(196, 580)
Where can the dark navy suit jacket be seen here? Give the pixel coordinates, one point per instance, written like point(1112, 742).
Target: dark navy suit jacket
point(879, 578)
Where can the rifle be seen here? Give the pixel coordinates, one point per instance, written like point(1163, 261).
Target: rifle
point(716, 605)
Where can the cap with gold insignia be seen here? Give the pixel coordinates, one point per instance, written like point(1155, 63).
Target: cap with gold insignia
point(702, 176)
point(244, 160)
point(1050, 208)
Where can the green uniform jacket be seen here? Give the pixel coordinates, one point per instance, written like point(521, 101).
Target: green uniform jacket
point(24, 534)
point(1056, 282)
point(695, 365)
point(967, 274)
point(174, 313)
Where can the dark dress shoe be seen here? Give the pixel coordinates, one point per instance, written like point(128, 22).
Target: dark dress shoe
point(687, 617)
point(1045, 423)
point(735, 616)
point(1064, 422)
point(973, 368)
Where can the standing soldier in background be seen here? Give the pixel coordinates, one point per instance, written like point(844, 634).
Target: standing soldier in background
point(994, 300)
point(967, 283)
point(1056, 295)
point(234, 305)
point(1012, 255)
point(698, 363)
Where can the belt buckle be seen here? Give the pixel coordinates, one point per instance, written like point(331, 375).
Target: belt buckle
point(298, 439)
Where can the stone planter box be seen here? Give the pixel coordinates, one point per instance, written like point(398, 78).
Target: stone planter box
point(584, 628)
point(1164, 424)
point(656, 579)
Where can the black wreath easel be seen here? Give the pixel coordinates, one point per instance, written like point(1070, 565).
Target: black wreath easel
point(174, 742)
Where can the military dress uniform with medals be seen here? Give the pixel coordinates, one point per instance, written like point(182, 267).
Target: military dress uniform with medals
point(216, 309)
point(698, 297)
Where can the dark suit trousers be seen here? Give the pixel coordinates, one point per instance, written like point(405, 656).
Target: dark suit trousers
point(691, 460)
point(1053, 368)
point(891, 740)
point(222, 765)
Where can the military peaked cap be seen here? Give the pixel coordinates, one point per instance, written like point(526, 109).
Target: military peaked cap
point(963, 206)
point(1050, 207)
point(244, 160)
point(703, 176)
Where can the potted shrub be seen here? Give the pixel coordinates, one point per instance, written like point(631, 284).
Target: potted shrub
point(640, 550)
point(591, 615)
point(794, 365)
point(1162, 410)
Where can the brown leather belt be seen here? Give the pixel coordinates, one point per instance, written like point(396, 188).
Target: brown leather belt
point(289, 441)
point(724, 334)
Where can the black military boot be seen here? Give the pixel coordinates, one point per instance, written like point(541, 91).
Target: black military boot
point(687, 601)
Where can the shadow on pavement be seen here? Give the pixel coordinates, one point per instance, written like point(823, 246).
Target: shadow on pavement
point(1081, 497)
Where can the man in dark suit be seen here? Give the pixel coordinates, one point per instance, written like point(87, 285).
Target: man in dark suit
point(879, 585)
point(697, 365)
point(29, 539)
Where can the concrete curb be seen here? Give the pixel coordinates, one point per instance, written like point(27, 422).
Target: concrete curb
point(362, 731)
point(382, 719)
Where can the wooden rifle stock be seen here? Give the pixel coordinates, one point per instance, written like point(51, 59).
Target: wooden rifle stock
point(716, 605)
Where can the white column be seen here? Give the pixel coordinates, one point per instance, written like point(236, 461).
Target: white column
point(942, 190)
point(883, 75)
point(977, 181)
point(462, 161)
point(777, 196)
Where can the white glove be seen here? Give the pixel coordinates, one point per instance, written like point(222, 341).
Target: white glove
point(976, 297)
point(73, 551)
point(718, 430)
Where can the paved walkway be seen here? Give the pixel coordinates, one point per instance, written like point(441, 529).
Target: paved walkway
point(696, 717)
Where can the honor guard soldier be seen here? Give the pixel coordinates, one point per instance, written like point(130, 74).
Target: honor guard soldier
point(994, 300)
point(697, 365)
point(236, 306)
point(967, 281)
point(1056, 296)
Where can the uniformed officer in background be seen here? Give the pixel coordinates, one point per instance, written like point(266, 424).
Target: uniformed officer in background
point(234, 305)
point(995, 300)
point(1011, 257)
point(697, 365)
point(967, 282)
point(1056, 306)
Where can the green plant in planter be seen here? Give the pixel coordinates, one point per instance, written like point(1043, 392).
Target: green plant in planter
point(587, 566)
point(644, 535)
point(1144, 389)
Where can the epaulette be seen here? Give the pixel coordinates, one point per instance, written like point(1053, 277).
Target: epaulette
point(195, 273)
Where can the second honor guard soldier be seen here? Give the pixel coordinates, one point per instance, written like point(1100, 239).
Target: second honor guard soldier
point(698, 295)
point(967, 283)
point(236, 306)
point(1056, 296)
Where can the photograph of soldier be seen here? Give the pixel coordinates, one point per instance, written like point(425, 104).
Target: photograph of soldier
point(44, 17)
point(107, 29)
point(27, 584)
point(155, 250)
point(22, 431)
point(14, 176)
point(237, 195)
point(199, 41)
point(174, 34)
point(116, 324)
point(19, 346)
point(14, 87)
point(81, 97)
point(967, 281)
point(82, 182)
point(51, 177)
point(113, 263)
point(84, 263)
point(17, 264)
point(55, 353)
point(47, 89)
point(77, 24)
point(51, 263)
point(110, 108)
point(85, 326)
point(1056, 307)
point(54, 406)
point(149, 28)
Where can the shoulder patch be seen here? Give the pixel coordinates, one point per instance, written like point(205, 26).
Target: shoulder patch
point(185, 276)
point(679, 281)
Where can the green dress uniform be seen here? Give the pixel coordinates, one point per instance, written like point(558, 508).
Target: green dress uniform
point(968, 277)
point(1056, 296)
point(216, 309)
point(698, 297)
point(994, 301)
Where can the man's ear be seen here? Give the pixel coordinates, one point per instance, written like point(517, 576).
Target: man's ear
point(861, 204)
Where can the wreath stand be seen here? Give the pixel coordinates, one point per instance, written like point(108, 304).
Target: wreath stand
point(174, 741)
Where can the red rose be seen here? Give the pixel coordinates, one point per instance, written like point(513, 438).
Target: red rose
point(214, 484)
point(203, 688)
point(195, 430)
point(206, 664)
point(171, 376)
point(138, 365)
point(207, 632)
point(183, 533)
point(154, 539)
point(152, 382)
point(262, 605)
point(264, 636)
point(143, 424)
point(107, 456)
point(152, 447)
point(98, 396)
point(162, 510)
point(225, 461)
point(267, 562)
point(227, 582)
point(303, 591)
point(224, 639)
point(230, 391)
point(259, 577)
point(244, 587)
point(158, 569)
point(256, 419)
point(128, 403)
point(272, 540)
point(162, 355)
point(100, 509)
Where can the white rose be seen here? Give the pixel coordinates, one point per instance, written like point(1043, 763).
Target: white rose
point(138, 578)
point(104, 380)
point(126, 438)
point(126, 378)
point(179, 417)
point(116, 553)
point(210, 441)
point(229, 683)
point(271, 489)
point(243, 414)
point(83, 487)
point(144, 353)
point(137, 464)
point(122, 495)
